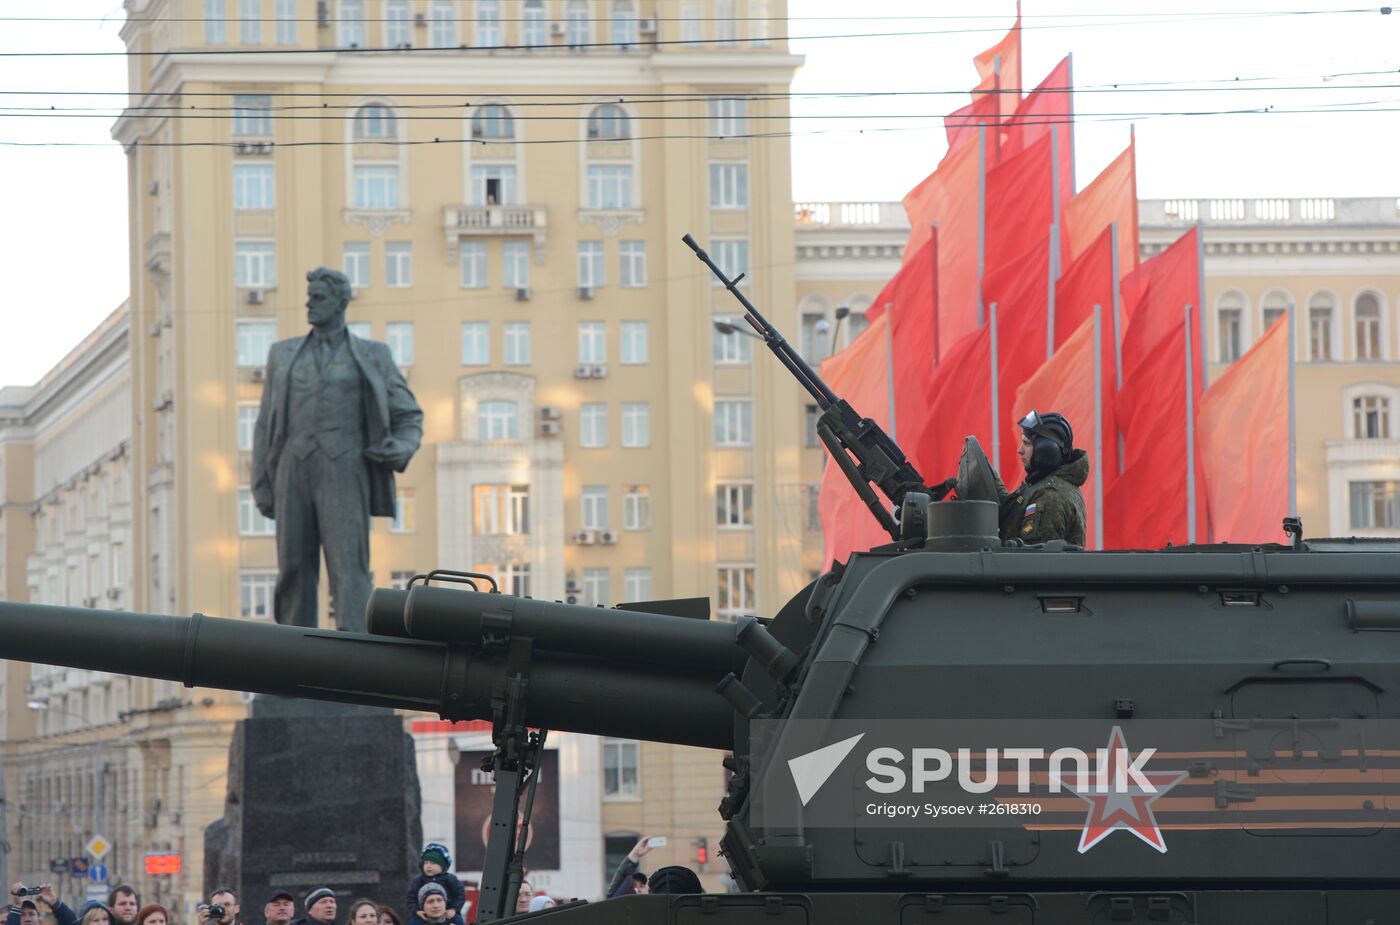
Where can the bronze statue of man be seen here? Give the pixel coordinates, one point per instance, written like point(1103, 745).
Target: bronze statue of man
point(337, 421)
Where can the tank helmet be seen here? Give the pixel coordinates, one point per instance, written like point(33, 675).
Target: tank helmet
point(1052, 427)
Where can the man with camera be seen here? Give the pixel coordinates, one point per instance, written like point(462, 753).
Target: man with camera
point(221, 910)
point(25, 911)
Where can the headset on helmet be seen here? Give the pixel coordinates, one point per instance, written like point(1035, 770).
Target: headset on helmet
point(1051, 437)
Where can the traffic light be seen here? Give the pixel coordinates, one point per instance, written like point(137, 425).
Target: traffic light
point(702, 850)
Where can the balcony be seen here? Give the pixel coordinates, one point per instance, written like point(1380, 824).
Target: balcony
point(461, 222)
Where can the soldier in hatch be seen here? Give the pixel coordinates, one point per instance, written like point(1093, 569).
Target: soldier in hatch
point(1049, 504)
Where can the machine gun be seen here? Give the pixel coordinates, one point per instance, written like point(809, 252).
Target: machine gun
point(845, 433)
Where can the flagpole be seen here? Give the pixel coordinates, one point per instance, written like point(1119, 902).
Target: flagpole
point(1117, 334)
point(1069, 110)
point(889, 361)
point(1098, 427)
point(981, 219)
point(1190, 438)
point(1201, 297)
point(1054, 240)
point(937, 355)
point(1292, 414)
point(996, 397)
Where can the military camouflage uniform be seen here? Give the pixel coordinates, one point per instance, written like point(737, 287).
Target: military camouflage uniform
point(1050, 509)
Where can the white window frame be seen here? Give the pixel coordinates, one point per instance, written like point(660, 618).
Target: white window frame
point(500, 509)
point(251, 522)
point(488, 24)
point(623, 23)
point(1381, 350)
point(591, 272)
point(498, 419)
point(692, 32)
point(515, 343)
point(632, 336)
point(734, 422)
point(636, 508)
point(250, 22)
point(355, 259)
point(734, 503)
point(592, 342)
point(286, 13)
point(254, 264)
point(215, 22)
point(730, 349)
point(597, 587)
point(729, 185)
point(252, 115)
point(593, 425)
point(256, 591)
point(350, 24)
point(1334, 327)
point(476, 343)
point(405, 511)
point(399, 336)
point(254, 186)
point(736, 590)
point(578, 23)
point(398, 264)
point(473, 259)
point(398, 24)
point(723, 20)
point(625, 753)
point(593, 507)
point(533, 28)
point(636, 424)
point(732, 256)
point(729, 116)
point(245, 424)
point(515, 264)
point(376, 186)
point(252, 341)
point(609, 187)
point(632, 264)
point(636, 584)
point(442, 29)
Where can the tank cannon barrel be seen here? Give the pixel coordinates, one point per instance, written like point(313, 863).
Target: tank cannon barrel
point(571, 691)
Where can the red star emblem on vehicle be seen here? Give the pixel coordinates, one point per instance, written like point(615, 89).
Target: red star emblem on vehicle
point(1120, 795)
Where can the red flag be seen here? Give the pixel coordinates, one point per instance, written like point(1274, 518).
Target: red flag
point(1020, 205)
point(859, 374)
point(959, 399)
point(948, 197)
point(962, 124)
point(1048, 107)
point(1155, 295)
point(1087, 282)
point(1020, 290)
point(1000, 70)
point(1066, 384)
point(1243, 433)
point(912, 298)
point(1111, 197)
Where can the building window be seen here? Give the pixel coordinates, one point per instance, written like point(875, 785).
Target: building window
point(351, 24)
point(498, 420)
point(532, 29)
point(376, 122)
point(493, 122)
point(398, 264)
point(251, 522)
point(731, 348)
point(734, 504)
point(247, 423)
point(355, 259)
point(734, 422)
point(514, 578)
point(1375, 505)
point(501, 510)
point(516, 349)
point(724, 22)
point(593, 503)
point(252, 116)
point(690, 22)
point(473, 264)
point(593, 425)
point(609, 186)
point(361, 329)
point(405, 512)
point(1370, 417)
point(397, 30)
point(735, 594)
point(1368, 327)
point(578, 26)
point(214, 22)
point(609, 122)
point(254, 264)
point(636, 424)
point(636, 585)
point(632, 264)
point(634, 343)
point(1229, 313)
point(812, 495)
point(399, 335)
point(493, 185)
point(286, 22)
point(732, 257)
point(476, 343)
point(856, 323)
point(592, 342)
point(759, 25)
point(515, 264)
point(252, 341)
point(255, 591)
point(812, 333)
point(250, 22)
point(376, 186)
point(809, 431)
point(488, 23)
point(624, 23)
point(596, 587)
point(728, 116)
point(590, 265)
point(398, 580)
point(621, 769)
point(636, 508)
point(442, 32)
point(1275, 307)
point(1321, 310)
point(729, 186)
point(253, 186)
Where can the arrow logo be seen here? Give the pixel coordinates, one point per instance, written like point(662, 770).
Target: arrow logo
point(811, 770)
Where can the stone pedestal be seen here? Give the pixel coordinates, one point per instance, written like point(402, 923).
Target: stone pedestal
point(318, 795)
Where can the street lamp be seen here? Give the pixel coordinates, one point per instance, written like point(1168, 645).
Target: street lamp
point(40, 706)
point(727, 326)
point(841, 312)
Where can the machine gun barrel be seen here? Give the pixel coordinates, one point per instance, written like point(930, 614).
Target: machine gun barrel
point(568, 691)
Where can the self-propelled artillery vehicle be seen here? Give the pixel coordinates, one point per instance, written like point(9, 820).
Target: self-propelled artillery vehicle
point(946, 729)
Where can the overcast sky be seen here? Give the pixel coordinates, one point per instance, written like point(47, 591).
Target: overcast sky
point(63, 240)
